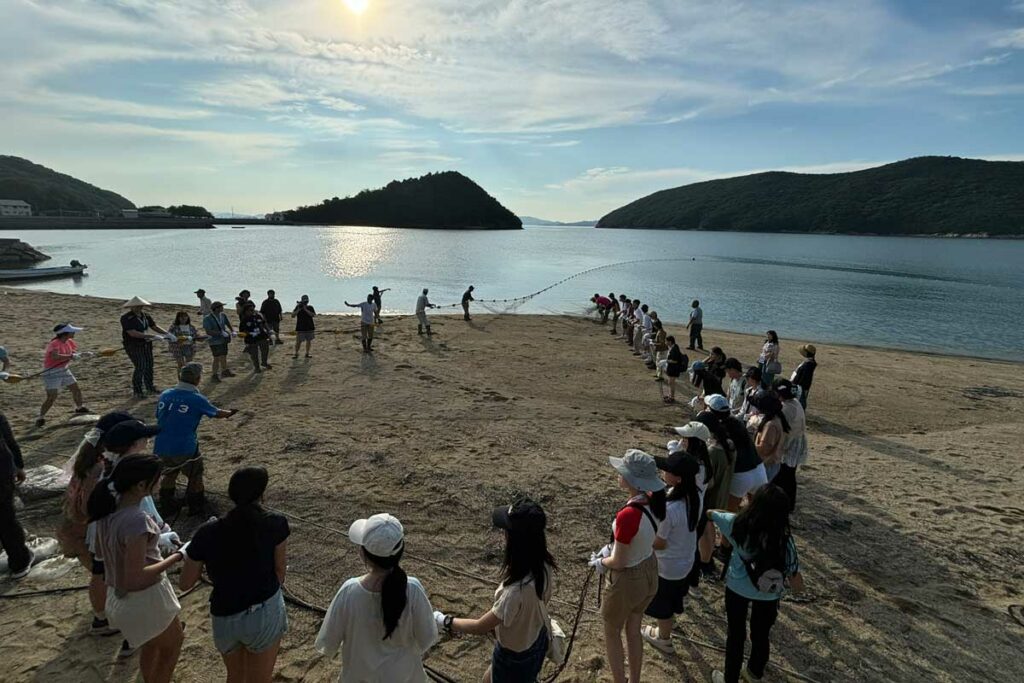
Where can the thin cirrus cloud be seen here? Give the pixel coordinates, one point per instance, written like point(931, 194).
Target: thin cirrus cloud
point(523, 95)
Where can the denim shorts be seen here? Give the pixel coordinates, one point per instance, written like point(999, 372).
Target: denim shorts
point(519, 667)
point(256, 628)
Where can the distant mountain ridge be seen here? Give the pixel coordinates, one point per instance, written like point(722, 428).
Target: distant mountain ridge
point(533, 220)
point(48, 190)
point(447, 200)
point(920, 196)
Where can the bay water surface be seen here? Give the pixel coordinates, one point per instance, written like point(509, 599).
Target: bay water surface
point(959, 296)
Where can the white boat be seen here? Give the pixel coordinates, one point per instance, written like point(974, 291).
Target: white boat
point(13, 274)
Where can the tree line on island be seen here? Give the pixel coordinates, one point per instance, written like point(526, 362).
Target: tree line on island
point(436, 200)
point(921, 196)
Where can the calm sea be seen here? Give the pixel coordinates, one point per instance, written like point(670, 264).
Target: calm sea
point(947, 295)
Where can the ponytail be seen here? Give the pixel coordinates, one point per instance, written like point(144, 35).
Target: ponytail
point(394, 591)
point(129, 471)
point(246, 489)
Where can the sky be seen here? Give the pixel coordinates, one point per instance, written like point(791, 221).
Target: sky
point(562, 109)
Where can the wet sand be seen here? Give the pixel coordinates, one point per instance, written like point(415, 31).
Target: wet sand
point(910, 520)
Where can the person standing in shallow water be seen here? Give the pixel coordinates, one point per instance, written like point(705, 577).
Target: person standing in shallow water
point(467, 296)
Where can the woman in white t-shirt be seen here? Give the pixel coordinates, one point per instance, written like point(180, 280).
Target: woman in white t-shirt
point(675, 545)
point(519, 617)
point(382, 621)
point(631, 570)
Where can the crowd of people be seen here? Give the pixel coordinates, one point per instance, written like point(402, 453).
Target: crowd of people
point(723, 490)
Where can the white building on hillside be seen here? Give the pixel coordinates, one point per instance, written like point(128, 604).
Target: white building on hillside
point(14, 207)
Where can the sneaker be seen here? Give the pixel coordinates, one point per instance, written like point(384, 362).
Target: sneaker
point(694, 592)
point(717, 677)
point(101, 627)
point(650, 634)
point(22, 573)
point(82, 410)
point(126, 650)
point(267, 366)
point(227, 373)
point(40, 421)
point(746, 675)
point(138, 395)
point(215, 377)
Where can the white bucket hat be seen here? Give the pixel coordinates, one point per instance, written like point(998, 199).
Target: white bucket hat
point(135, 301)
point(639, 469)
point(381, 535)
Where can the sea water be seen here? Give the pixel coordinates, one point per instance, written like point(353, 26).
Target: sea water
point(960, 296)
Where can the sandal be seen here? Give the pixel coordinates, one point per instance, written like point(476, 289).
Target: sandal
point(650, 634)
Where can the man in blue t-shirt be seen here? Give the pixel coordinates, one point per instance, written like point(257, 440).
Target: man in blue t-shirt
point(179, 412)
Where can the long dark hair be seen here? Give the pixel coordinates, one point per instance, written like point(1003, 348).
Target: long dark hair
point(88, 455)
point(687, 490)
point(177, 317)
point(762, 528)
point(656, 501)
point(526, 554)
point(771, 407)
point(772, 337)
point(128, 472)
point(393, 592)
point(699, 451)
point(245, 489)
point(729, 432)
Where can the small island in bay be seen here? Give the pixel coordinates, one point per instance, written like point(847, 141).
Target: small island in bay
point(941, 196)
point(447, 200)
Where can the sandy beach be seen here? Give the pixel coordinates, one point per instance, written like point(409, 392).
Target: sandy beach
point(910, 519)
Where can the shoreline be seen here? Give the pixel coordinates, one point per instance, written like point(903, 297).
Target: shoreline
point(790, 342)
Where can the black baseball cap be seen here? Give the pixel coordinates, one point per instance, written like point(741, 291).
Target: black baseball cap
point(679, 463)
point(521, 515)
point(128, 432)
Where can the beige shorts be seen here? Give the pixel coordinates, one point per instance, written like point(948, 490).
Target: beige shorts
point(629, 591)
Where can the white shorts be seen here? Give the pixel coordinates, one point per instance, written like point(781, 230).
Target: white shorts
point(143, 615)
point(746, 482)
point(56, 379)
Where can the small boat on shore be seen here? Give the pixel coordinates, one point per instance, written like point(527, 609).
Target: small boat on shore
point(20, 274)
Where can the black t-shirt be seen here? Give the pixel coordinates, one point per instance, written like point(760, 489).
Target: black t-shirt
point(271, 310)
point(239, 557)
point(467, 297)
point(139, 323)
point(255, 328)
point(304, 318)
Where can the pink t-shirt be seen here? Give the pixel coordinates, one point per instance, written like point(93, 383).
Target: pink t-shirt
point(113, 533)
point(65, 348)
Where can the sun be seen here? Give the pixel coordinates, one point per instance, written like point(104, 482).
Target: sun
point(357, 6)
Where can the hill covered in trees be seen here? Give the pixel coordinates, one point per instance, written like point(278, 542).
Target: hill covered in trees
point(921, 196)
point(436, 200)
point(48, 190)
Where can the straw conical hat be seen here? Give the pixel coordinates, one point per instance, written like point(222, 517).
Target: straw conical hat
point(135, 301)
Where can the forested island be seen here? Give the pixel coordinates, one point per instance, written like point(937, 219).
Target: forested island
point(46, 190)
point(447, 200)
point(920, 196)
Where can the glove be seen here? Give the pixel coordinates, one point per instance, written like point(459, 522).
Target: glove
point(596, 561)
point(439, 618)
point(226, 334)
point(4, 376)
point(76, 355)
point(87, 354)
point(168, 542)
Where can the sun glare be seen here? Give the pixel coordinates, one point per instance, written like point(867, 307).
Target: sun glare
point(357, 6)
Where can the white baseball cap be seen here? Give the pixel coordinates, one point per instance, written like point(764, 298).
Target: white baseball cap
point(381, 535)
point(696, 430)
